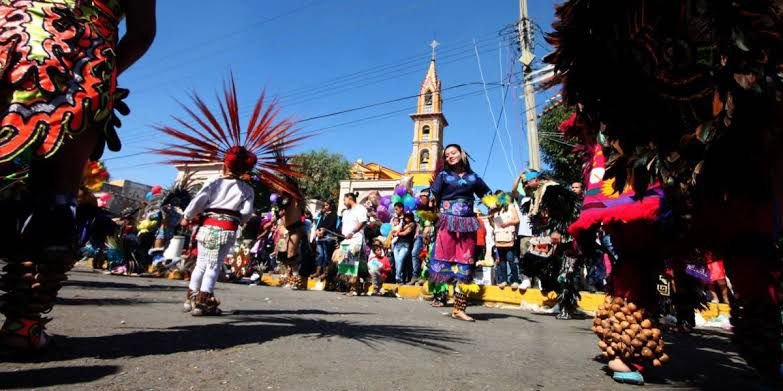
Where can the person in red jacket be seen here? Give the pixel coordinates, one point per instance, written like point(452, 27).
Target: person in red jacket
point(379, 267)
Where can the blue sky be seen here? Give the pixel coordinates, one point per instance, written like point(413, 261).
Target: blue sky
point(323, 56)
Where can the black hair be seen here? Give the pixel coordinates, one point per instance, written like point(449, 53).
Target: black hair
point(352, 196)
point(408, 215)
point(465, 160)
point(400, 204)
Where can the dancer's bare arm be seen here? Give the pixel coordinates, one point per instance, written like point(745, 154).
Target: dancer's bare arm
point(141, 26)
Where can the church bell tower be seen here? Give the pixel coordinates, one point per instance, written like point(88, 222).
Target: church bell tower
point(428, 125)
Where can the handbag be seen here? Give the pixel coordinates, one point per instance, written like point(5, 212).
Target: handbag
point(504, 237)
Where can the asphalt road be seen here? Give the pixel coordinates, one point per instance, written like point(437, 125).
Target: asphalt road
point(124, 333)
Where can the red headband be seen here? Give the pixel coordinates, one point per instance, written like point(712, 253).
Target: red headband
point(239, 160)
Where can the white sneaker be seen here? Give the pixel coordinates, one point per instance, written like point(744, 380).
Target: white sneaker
point(502, 285)
point(515, 286)
point(525, 284)
point(187, 307)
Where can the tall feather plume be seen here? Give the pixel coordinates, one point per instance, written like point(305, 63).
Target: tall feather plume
point(206, 139)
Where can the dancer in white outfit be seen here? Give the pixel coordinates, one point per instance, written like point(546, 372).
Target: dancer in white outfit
point(221, 206)
point(253, 154)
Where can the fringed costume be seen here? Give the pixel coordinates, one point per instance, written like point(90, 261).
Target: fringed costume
point(58, 82)
point(688, 96)
point(296, 242)
point(225, 202)
point(550, 257)
point(453, 258)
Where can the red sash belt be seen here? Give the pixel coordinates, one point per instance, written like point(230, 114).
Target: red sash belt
point(223, 224)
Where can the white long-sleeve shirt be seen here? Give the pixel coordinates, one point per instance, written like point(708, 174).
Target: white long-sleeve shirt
point(223, 193)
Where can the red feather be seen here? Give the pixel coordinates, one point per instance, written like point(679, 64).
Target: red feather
point(265, 136)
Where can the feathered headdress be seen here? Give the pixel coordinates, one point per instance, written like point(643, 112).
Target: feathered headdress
point(181, 192)
point(94, 175)
point(254, 151)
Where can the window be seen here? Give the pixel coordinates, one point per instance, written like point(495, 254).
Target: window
point(425, 133)
point(428, 101)
point(424, 159)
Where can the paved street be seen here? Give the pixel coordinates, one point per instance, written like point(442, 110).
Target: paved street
point(129, 334)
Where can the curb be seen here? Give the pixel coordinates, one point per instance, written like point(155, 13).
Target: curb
point(493, 294)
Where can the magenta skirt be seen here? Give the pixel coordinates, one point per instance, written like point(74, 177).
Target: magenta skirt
point(456, 247)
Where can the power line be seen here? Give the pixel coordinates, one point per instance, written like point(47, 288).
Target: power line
point(140, 137)
point(366, 78)
point(385, 102)
point(220, 38)
point(320, 130)
point(491, 112)
point(134, 131)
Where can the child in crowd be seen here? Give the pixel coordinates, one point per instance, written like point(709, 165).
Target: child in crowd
point(379, 267)
point(718, 280)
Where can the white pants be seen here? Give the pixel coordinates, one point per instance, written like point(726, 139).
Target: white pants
point(208, 268)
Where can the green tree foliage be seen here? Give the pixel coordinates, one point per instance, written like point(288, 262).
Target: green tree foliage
point(563, 163)
point(323, 172)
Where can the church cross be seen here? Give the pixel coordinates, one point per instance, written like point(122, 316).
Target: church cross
point(434, 44)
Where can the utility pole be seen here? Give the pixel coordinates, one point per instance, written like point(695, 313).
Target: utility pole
point(526, 58)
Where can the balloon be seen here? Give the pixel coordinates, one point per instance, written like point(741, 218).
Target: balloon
point(149, 196)
point(386, 229)
point(103, 200)
point(400, 190)
point(273, 198)
point(386, 201)
point(156, 189)
point(395, 199)
point(383, 213)
point(409, 202)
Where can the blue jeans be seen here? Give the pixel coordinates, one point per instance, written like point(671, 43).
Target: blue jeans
point(401, 252)
point(507, 259)
point(418, 243)
point(324, 249)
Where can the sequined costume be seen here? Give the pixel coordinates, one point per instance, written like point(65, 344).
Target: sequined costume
point(57, 63)
point(58, 81)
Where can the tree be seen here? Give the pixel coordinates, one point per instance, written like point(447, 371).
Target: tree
point(564, 163)
point(323, 172)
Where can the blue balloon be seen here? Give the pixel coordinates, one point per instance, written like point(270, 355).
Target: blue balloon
point(409, 203)
point(386, 229)
point(149, 196)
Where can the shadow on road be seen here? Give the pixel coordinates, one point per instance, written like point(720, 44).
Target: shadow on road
point(110, 301)
point(235, 313)
point(705, 359)
point(499, 315)
point(118, 285)
point(241, 330)
point(58, 376)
